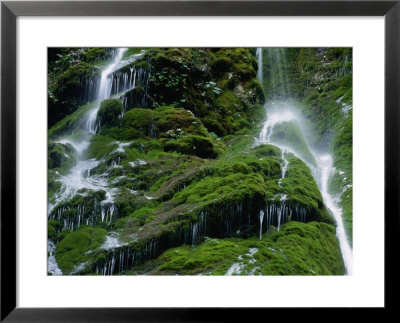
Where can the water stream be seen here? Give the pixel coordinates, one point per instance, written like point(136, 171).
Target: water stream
point(79, 176)
point(280, 113)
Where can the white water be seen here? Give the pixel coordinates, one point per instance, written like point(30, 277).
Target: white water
point(238, 267)
point(104, 91)
point(79, 176)
point(278, 79)
point(325, 165)
point(321, 174)
point(260, 70)
point(52, 266)
point(275, 117)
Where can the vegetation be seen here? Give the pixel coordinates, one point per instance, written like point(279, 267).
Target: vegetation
point(178, 181)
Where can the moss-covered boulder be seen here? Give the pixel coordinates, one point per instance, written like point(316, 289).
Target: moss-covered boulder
point(61, 156)
point(109, 112)
point(298, 249)
point(73, 251)
point(192, 145)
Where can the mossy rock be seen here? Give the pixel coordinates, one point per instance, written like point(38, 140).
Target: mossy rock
point(61, 156)
point(192, 145)
point(109, 112)
point(138, 98)
point(137, 123)
point(73, 249)
point(298, 249)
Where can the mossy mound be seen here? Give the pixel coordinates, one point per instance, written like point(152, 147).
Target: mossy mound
point(203, 81)
point(298, 249)
point(109, 112)
point(192, 145)
point(74, 250)
point(60, 156)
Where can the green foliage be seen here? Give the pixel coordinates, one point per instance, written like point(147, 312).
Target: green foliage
point(191, 151)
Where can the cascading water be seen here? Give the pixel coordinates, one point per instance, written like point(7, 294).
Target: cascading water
point(278, 78)
point(278, 114)
point(325, 165)
point(104, 91)
point(79, 176)
point(260, 70)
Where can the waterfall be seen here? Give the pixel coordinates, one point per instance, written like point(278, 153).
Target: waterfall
point(101, 212)
point(284, 166)
point(279, 85)
point(325, 165)
point(321, 175)
point(79, 175)
point(260, 64)
point(104, 91)
point(52, 266)
point(277, 114)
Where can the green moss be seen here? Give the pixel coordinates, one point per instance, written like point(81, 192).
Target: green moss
point(137, 123)
point(109, 112)
point(53, 227)
point(267, 150)
point(298, 249)
point(72, 250)
point(223, 189)
point(70, 123)
point(100, 146)
point(61, 157)
point(132, 51)
point(300, 187)
point(192, 145)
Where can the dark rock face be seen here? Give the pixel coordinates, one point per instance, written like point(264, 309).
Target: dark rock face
point(137, 98)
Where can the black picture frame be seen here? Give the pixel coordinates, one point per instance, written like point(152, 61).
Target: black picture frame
point(10, 10)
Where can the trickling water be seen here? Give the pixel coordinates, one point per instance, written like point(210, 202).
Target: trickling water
point(104, 91)
point(80, 176)
point(284, 166)
point(325, 164)
point(275, 117)
point(321, 173)
point(278, 79)
point(260, 70)
point(52, 266)
point(261, 222)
